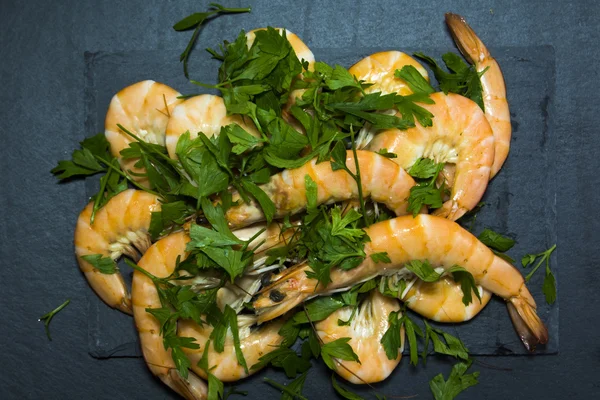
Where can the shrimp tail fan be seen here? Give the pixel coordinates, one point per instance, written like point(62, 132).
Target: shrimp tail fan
point(528, 325)
point(465, 38)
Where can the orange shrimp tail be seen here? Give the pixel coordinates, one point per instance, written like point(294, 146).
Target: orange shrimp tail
point(450, 210)
point(528, 325)
point(193, 388)
point(465, 38)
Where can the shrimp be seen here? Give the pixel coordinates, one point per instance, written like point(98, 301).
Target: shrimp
point(365, 332)
point(160, 261)
point(441, 301)
point(144, 109)
point(120, 227)
point(381, 179)
point(442, 242)
point(205, 113)
point(492, 82)
point(460, 135)
point(254, 343)
point(378, 69)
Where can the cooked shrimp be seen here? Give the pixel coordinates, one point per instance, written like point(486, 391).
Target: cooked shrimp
point(143, 109)
point(120, 227)
point(443, 243)
point(460, 135)
point(205, 113)
point(442, 300)
point(492, 81)
point(381, 178)
point(254, 343)
point(160, 261)
point(365, 332)
point(379, 69)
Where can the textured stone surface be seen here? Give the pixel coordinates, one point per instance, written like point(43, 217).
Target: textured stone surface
point(43, 115)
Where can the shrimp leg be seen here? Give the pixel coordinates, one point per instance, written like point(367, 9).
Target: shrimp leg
point(443, 243)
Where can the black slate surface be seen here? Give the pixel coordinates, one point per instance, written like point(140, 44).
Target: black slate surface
point(43, 116)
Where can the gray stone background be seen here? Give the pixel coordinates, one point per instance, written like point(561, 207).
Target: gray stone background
point(43, 115)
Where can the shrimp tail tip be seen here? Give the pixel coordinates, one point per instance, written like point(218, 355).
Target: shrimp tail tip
point(528, 325)
point(465, 38)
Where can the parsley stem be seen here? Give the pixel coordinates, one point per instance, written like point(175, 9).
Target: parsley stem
point(47, 318)
point(361, 199)
point(545, 257)
point(126, 176)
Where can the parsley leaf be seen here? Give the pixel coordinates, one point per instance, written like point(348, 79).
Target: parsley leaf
point(549, 285)
point(293, 390)
point(391, 340)
point(284, 358)
point(47, 318)
point(467, 283)
point(423, 270)
point(456, 383)
point(425, 192)
point(450, 345)
point(104, 265)
point(339, 348)
point(231, 317)
point(495, 240)
point(342, 391)
point(84, 162)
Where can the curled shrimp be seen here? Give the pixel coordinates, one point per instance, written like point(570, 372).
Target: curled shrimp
point(382, 180)
point(378, 69)
point(460, 135)
point(442, 300)
point(440, 241)
point(144, 109)
point(492, 82)
point(160, 260)
point(254, 343)
point(120, 227)
point(205, 113)
point(365, 332)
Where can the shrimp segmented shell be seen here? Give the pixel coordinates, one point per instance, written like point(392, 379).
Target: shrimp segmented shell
point(378, 69)
point(120, 227)
point(440, 241)
point(382, 180)
point(492, 82)
point(160, 260)
point(144, 109)
point(254, 344)
point(366, 330)
point(205, 113)
point(460, 135)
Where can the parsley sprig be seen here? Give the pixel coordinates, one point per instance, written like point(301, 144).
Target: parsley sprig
point(549, 285)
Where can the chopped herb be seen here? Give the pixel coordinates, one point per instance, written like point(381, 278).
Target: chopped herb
point(47, 318)
point(104, 265)
point(549, 285)
point(339, 348)
point(456, 383)
point(495, 240)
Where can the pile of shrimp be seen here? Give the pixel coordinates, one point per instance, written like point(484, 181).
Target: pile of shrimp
point(473, 143)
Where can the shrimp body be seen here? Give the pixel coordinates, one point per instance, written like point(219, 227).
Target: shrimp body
point(366, 330)
point(143, 109)
point(492, 82)
point(160, 260)
point(440, 241)
point(460, 135)
point(120, 227)
point(379, 68)
point(442, 300)
point(382, 180)
point(205, 113)
point(254, 343)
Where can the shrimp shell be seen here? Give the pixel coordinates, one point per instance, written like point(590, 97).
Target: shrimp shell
point(365, 332)
point(143, 109)
point(120, 227)
point(443, 243)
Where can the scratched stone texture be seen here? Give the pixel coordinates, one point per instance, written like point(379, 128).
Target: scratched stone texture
point(61, 62)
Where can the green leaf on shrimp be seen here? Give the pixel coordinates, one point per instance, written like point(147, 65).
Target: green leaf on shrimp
point(318, 309)
point(457, 382)
point(242, 140)
point(284, 358)
point(170, 217)
point(231, 317)
point(423, 168)
point(341, 78)
point(266, 204)
point(339, 348)
point(381, 257)
point(391, 340)
point(104, 265)
point(467, 283)
point(423, 270)
point(414, 79)
point(215, 387)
